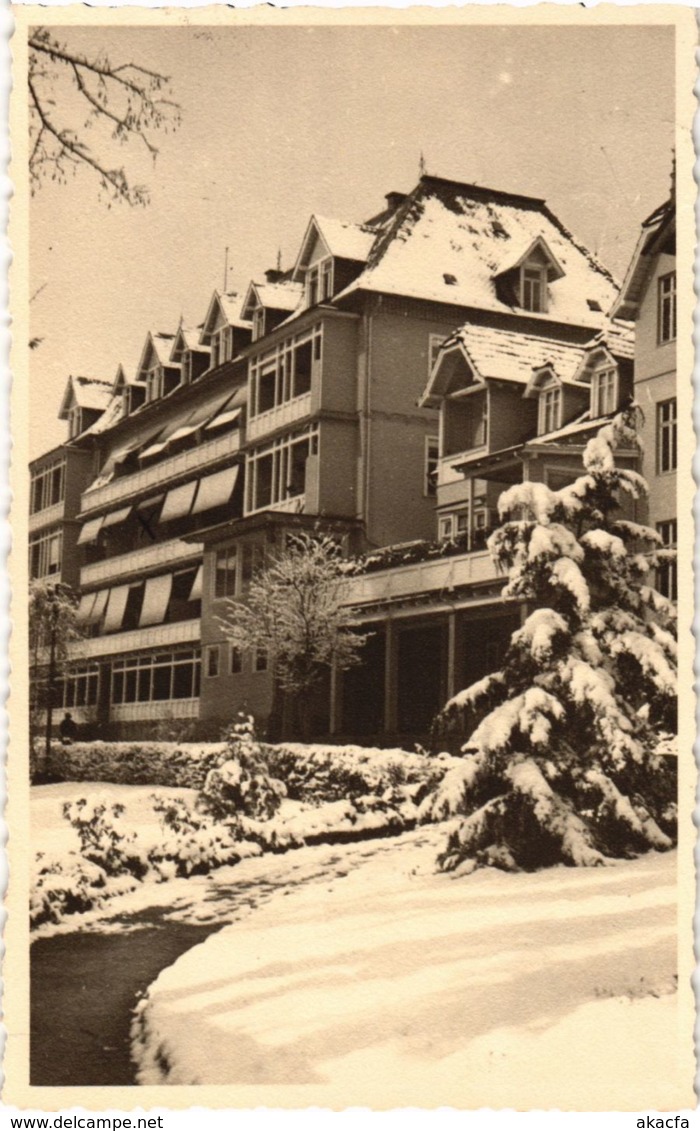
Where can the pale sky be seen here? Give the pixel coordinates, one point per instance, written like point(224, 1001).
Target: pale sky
point(278, 123)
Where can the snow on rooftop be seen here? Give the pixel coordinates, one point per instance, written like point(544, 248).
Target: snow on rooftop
point(162, 346)
point(90, 392)
point(280, 296)
point(230, 304)
point(345, 240)
point(111, 416)
point(513, 356)
point(456, 232)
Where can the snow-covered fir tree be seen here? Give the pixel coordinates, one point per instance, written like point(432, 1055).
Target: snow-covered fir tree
point(560, 763)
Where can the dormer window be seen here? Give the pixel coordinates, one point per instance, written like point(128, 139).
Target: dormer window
point(549, 408)
point(258, 323)
point(604, 394)
point(221, 346)
point(75, 422)
point(319, 282)
point(186, 367)
point(533, 287)
point(154, 383)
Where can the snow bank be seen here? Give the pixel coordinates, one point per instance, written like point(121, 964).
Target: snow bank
point(395, 986)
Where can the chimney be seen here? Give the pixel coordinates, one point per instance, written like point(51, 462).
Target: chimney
point(394, 200)
point(273, 275)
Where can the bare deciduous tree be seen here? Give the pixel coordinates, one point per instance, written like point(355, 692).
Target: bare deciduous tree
point(72, 96)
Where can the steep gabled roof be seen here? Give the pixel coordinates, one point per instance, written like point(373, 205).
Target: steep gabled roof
point(449, 241)
point(342, 239)
point(284, 295)
point(85, 392)
point(157, 346)
point(223, 307)
point(657, 230)
point(493, 353)
point(186, 339)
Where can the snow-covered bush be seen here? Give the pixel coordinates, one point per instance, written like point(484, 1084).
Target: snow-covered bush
point(242, 785)
point(318, 773)
point(193, 842)
point(560, 760)
point(104, 839)
point(182, 765)
point(63, 887)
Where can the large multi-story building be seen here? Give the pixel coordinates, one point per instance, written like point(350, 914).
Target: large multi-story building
point(385, 388)
point(648, 298)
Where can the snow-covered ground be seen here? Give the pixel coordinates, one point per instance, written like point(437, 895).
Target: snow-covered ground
point(397, 986)
point(52, 833)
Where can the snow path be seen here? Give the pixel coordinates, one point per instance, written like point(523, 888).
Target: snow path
point(89, 972)
point(396, 986)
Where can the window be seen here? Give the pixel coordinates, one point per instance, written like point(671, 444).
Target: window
point(48, 487)
point(160, 676)
point(312, 281)
point(253, 560)
point(80, 687)
point(533, 288)
point(326, 279)
point(666, 574)
point(550, 409)
point(45, 552)
point(260, 660)
point(225, 571)
point(667, 309)
point(446, 527)
point(154, 384)
point(434, 343)
point(277, 471)
point(258, 323)
point(235, 660)
point(285, 372)
point(187, 367)
point(604, 390)
point(666, 440)
point(213, 660)
point(75, 422)
point(432, 455)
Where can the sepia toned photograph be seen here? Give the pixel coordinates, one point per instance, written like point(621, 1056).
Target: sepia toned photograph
point(352, 503)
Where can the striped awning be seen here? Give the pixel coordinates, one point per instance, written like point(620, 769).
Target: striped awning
point(215, 490)
point(90, 530)
point(156, 596)
point(116, 606)
point(178, 502)
point(116, 517)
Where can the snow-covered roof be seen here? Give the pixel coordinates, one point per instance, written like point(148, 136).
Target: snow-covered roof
point(345, 240)
point(224, 307)
point(85, 392)
point(162, 345)
point(113, 413)
point(449, 241)
point(187, 338)
point(284, 295)
point(340, 238)
point(657, 229)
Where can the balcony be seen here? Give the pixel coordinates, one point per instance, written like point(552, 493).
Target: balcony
point(164, 472)
point(49, 517)
point(157, 709)
point(138, 640)
point(441, 575)
point(140, 561)
point(280, 417)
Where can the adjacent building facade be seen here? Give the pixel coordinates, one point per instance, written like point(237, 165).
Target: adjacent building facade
point(384, 388)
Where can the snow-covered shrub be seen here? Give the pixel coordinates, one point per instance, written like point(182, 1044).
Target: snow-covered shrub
point(62, 887)
point(104, 839)
point(182, 765)
point(560, 751)
point(242, 785)
point(318, 773)
point(193, 842)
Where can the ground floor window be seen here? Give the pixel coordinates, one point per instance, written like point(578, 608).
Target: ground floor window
point(163, 675)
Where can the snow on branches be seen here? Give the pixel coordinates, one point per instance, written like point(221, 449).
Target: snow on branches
point(560, 752)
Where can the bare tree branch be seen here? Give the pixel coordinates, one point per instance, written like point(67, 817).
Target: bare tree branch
point(126, 99)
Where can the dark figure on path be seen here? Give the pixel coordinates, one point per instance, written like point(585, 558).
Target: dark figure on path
point(68, 729)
